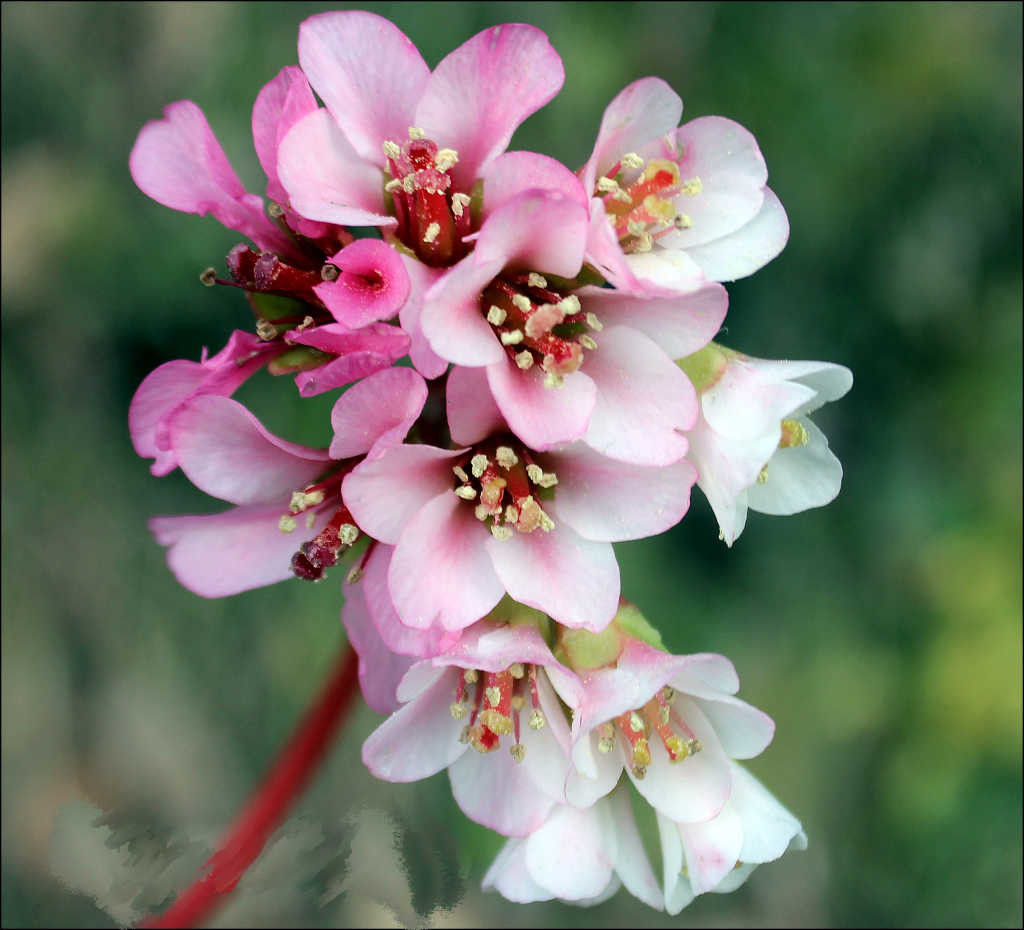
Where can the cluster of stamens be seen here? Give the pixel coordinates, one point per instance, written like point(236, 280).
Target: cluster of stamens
point(495, 706)
point(341, 532)
point(537, 325)
point(794, 434)
point(432, 218)
point(645, 209)
point(636, 726)
point(505, 488)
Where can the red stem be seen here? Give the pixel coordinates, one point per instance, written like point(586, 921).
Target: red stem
point(268, 806)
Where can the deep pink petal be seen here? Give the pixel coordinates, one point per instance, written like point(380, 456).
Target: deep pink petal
point(421, 278)
point(514, 172)
point(420, 739)
point(326, 179)
point(279, 105)
point(610, 501)
point(452, 318)
point(573, 580)
point(441, 573)
point(214, 555)
point(361, 353)
point(542, 416)
point(644, 401)
point(368, 74)
point(226, 452)
point(472, 412)
point(643, 111)
point(568, 855)
point(378, 411)
point(372, 286)
point(680, 324)
point(161, 391)
point(384, 493)
point(480, 93)
point(179, 163)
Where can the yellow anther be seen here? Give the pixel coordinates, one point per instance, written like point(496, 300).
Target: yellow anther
point(551, 380)
point(481, 512)
point(639, 772)
point(303, 500)
point(529, 515)
point(636, 722)
point(536, 280)
point(432, 232)
point(416, 133)
point(393, 185)
point(348, 534)
point(511, 514)
point(762, 477)
point(641, 753)
point(677, 750)
point(493, 695)
point(496, 315)
point(657, 166)
point(518, 702)
point(607, 185)
point(505, 457)
point(518, 752)
point(522, 302)
point(469, 676)
point(355, 575)
point(392, 149)
point(643, 243)
point(466, 492)
point(524, 360)
point(537, 720)
point(692, 187)
point(594, 323)
point(464, 735)
point(516, 670)
point(496, 722)
point(622, 196)
point(478, 464)
point(534, 472)
point(409, 184)
point(286, 524)
point(636, 228)
point(569, 305)
point(445, 159)
point(587, 342)
point(546, 523)
point(512, 338)
point(668, 693)
point(459, 203)
point(606, 743)
point(458, 711)
point(460, 473)
point(632, 160)
point(693, 746)
point(794, 433)
point(501, 532)
point(682, 221)
point(662, 210)
point(310, 519)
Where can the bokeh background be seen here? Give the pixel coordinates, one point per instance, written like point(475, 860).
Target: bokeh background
point(882, 633)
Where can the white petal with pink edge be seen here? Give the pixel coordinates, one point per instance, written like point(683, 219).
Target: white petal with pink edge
point(568, 855)
point(711, 849)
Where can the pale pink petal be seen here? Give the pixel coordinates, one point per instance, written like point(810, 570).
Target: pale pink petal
point(420, 739)
point(372, 286)
point(509, 876)
point(573, 580)
point(380, 669)
point(604, 252)
point(496, 791)
point(677, 888)
point(567, 854)
point(214, 555)
point(643, 111)
point(827, 380)
point(680, 324)
point(385, 493)
point(325, 178)
point(179, 163)
point(743, 730)
point(798, 478)
point(361, 353)
point(610, 501)
point(421, 278)
point(440, 572)
point(395, 634)
point(696, 789)
point(542, 416)
point(594, 773)
point(711, 849)
point(514, 172)
point(480, 93)
point(368, 74)
point(472, 412)
point(161, 391)
point(751, 247)
point(661, 271)
point(376, 412)
point(279, 105)
point(547, 749)
point(226, 452)
point(644, 400)
point(452, 318)
point(631, 862)
point(746, 404)
point(768, 828)
point(493, 647)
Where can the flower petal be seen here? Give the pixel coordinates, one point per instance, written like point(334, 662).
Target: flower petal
point(421, 278)
point(509, 876)
point(631, 862)
point(567, 854)
point(361, 352)
point(279, 105)
point(678, 893)
point(514, 172)
point(768, 828)
point(376, 412)
point(480, 93)
point(367, 72)
point(711, 848)
point(829, 381)
point(743, 730)
point(594, 773)
point(373, 284)
point(452, 320)
point(798, 478)
point(472, 412)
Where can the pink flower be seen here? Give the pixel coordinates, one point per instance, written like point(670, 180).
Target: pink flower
point(542, 348)
point(578, 855)
point(499, 681)
point(288, 518)
point(675, 206)
point(754, 445)
point(470, 524)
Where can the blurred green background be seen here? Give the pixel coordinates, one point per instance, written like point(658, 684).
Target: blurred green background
point(882, 633)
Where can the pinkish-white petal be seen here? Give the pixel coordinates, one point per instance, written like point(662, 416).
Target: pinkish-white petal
point(711, 849)
point(678, 893)
point(214, 555)
point(420, 739)
point(768, 828)
point(326, 179)
point(480, 93)
point(643, 111)
point(514, 172)
point(746, 403)
point(452, 319)
point(509, 876)
point(472, 412)
point(421, 278)
point(441, 573)
point(680, 324)
point(610, 501)
point(568, 855)
point(493, 647)
point(376, 412)
point(750, 247)
point(380, 669)
point(279, 105)
point(799, 477)
point(542, 416)
point(373, 284)
point(573, 580)
point(396, 635)
point(361, 352)
point(385, 492)
point(644, 401)
point(605, 254)
point(179, 163)
point(631, 862)
point(828, 380)
point(594, 773)
point(666, 270)
point(226, 452)
point(367, 72)
point(696, 789)
point(743, 730)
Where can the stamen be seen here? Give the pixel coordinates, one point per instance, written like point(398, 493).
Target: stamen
point(459, 204)
point(536, 280)
point(522, 302)
point(432, 232)
point(505, 457)
point(501, 532)
point(460, 473)
point(762, 477)
point(513, 338)
point(518, 752)
point(466, 492)
point(524, 360)
point(537, 720)
point(569, 305)
point(303, 500)
point(632, 160)
point(458, 711)
point(606, 743)
point(594, 323)
point(310, 519)
point(496, 315)
point(445, 159)
point(516, 670)
point(393, 185)
point(587, 342)
point(683, 221)
point(552, 380)
point(416, 133)
point(607, 185)
point(793, 434)
point(511, 514)
point(692, 187)
point(209, 277)
point(392, 149)
point(478, 464)
point(470, 676)
point(329, 272)
point(286, 524)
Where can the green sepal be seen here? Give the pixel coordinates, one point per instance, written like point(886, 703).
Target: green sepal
point(273, 306)
point(705, 367)
point(581, 650)
point(588, 275)
point(476, 203)
point(633, 623)
point(301, 358)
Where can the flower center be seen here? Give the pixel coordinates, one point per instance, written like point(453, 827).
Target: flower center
point(645, 209)
point(506, 487)
point(636, 727)
point(537, 325)
point(324, 549)
point(495, 706)
point(432, 218)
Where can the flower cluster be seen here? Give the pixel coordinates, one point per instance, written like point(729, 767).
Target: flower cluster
point(562, 393)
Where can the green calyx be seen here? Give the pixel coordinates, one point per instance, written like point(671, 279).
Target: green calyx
point(582, 650)
point(705, 367)
point(633, 623)
point(301, 358)
point(515, 614)
point(274, 307)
